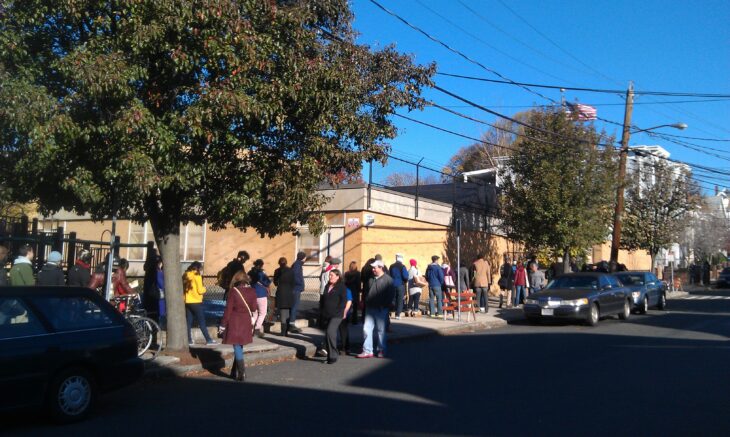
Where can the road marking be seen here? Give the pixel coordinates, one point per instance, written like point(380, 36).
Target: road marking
point(705, 297)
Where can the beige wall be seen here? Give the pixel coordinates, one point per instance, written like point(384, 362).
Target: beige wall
point(636, 260)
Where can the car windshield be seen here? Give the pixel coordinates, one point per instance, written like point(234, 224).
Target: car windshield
point(574, 282)
point(637, 279)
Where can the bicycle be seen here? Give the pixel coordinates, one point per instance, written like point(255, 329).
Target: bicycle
point(147, 330)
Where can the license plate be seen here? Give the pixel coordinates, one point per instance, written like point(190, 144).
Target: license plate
point(547, 312)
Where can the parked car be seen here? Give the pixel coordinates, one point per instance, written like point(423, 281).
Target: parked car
point(723, 279)
point(647, 291)
point(60, 347)
point(580, 296)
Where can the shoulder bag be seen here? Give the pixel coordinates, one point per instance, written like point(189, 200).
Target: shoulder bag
point(222, 330)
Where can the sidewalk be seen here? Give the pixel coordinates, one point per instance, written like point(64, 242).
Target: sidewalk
point(274, 347)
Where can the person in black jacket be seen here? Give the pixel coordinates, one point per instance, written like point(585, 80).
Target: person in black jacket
point(80, 274)
point(151, 295)
point(51, 273)
point(284, 281)
point(334, 301)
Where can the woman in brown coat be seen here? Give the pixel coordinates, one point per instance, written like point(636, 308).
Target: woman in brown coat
point(236, 326)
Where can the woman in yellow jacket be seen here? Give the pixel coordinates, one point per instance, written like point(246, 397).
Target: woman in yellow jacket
point(194, 290)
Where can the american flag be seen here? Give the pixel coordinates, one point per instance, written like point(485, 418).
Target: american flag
point(581, 112)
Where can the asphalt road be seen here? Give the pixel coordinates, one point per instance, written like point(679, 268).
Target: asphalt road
point(665, 373)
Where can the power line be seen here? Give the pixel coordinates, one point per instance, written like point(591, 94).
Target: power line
point(638, 152)
point(618, 104)
point(554, 43)
point(514, 38)
point(696, 138)
point(592, 90)
point(477, 38)
point(453, 50)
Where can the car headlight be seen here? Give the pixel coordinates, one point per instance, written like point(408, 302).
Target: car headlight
point(635, 294)
point(529, 301)
point(576, 302)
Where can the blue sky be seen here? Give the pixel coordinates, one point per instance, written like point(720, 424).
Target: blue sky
point(669, 45)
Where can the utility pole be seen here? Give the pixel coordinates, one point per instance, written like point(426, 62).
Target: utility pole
point(616, 240)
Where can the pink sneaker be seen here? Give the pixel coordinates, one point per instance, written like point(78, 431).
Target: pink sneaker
point(364, 355)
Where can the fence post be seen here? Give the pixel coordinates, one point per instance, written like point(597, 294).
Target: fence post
point(71, 252)
point(117, 242)
point(58, 240)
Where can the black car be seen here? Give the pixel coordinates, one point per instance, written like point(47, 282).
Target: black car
point(723, 279)
point(647, 291)
point(580, 296)
point(60, 347)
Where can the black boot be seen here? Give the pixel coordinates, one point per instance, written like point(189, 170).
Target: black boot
point(501, 299)
point(234, 368)
point(241, 369)
point(285, 329)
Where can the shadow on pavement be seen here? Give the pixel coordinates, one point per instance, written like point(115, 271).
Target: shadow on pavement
point(498, 383)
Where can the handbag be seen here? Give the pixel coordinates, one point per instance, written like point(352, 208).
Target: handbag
point(222, 330)
point(502, 283)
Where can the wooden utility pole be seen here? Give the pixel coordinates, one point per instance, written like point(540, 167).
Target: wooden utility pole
point(616, 240)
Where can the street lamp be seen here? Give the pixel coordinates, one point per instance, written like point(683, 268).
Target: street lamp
point(680, 126)
point(616, 237)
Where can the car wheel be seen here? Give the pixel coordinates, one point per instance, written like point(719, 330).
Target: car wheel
point(623, 315)
point(71, 396)
point(662, 302)
point(593, 315)
point(644, 305)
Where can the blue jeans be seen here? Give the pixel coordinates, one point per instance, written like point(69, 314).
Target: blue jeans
point(196, 310)
point(238, 352)
point(519, 292)
point(438, 294)
point(294, 307)
point(374, 318)
point(399, 293)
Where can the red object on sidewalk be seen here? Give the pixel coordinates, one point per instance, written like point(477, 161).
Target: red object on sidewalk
point(364, 355)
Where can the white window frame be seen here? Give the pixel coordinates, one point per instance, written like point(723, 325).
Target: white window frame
point(148, 236)
point(319, 246)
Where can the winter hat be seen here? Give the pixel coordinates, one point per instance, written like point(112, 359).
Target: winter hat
point(54, 257)
point(399, 257)
point(413, 262)
point(335, 261)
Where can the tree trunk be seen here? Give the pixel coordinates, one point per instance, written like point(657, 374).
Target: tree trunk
point(566, 261)
point(653, 262)
point(168, 242)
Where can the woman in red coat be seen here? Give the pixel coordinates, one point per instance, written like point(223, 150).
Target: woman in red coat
point(236, 326)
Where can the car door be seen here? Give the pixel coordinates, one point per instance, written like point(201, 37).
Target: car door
point(24, 347)
point(605, 296)
point(655, 286)
point(618, 293)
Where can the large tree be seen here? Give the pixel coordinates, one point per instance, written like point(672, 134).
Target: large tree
point(558, 191)
point(170, 111)
point(660, 199)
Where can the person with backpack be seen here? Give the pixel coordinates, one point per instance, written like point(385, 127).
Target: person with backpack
point(52, 274)
point(80, 274)
point(260, 282)
point(435, 279)
point(225, 275)
point(399, 275)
